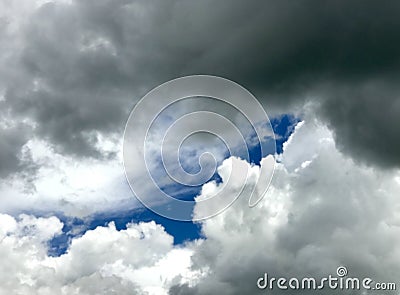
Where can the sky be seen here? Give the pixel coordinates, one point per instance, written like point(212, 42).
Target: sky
point(71, 71)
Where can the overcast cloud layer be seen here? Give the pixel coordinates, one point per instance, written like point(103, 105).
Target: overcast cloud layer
point(71, 69)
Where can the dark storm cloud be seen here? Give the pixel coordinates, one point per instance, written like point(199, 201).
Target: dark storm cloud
point(80, 67)
point(10, 143)
point(366, 117)
point(12, 157)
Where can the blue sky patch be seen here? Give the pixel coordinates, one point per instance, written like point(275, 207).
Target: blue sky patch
point(283, 127)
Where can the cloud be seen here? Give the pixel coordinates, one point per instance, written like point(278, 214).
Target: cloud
point(11, 149)
point(70, 71)
point(77, 67)
point(364, 117)
point(61, 185)
point(323, 210)
point(138, 260)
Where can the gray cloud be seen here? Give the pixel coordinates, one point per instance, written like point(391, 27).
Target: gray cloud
point(365, 117)
point(8, 147)
point(78, 67)
point(13, 158)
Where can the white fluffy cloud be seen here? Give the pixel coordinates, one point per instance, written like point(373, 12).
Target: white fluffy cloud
point(138, 260)
point(63, 184)
point(322, 211)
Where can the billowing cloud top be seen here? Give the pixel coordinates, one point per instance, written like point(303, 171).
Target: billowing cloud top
point(322, 211)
